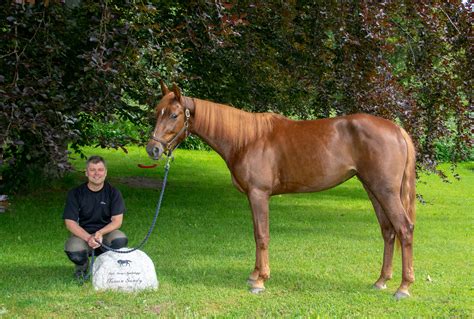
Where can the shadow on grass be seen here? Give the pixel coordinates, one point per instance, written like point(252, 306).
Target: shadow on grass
point(18, 277)
point(233, 277)
point(300, 221)
point(25, 278)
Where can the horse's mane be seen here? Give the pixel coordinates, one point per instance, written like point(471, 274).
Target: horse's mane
point(231, 124)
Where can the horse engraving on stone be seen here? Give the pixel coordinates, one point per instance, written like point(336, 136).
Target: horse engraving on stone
point(123, 263)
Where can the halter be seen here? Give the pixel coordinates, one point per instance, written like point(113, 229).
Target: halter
point(167, 144)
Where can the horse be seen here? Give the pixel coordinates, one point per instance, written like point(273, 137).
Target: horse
point(123, 262)
point(268, 154)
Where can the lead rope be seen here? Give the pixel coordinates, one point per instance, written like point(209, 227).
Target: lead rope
point(157, 211)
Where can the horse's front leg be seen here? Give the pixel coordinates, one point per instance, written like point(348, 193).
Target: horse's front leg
point(259, 205)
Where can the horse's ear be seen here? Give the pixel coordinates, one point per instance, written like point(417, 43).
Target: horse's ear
point(177, 92)
point(164, 88)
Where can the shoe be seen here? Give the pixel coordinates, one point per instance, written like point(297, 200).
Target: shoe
point(79, 274)
point(81, 271)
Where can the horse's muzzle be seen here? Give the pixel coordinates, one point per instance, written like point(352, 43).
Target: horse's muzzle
point(154, 150)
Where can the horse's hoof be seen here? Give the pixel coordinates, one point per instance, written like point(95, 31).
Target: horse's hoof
point(379, 287)
point(250, 282)
point(257, 291)
point(401, 295)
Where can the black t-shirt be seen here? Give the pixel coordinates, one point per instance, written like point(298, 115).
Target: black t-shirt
point(93, 210)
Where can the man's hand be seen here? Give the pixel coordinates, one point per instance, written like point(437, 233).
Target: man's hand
point(98, 237)
point(93, 243)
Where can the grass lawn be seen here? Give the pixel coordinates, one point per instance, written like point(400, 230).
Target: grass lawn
point(325, 250)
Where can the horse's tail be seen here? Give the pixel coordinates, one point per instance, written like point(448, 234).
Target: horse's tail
point(408, 192)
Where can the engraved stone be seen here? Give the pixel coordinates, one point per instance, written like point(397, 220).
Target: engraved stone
point(125, 272)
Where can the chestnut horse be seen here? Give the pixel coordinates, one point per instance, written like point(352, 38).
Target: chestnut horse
point(268, 154)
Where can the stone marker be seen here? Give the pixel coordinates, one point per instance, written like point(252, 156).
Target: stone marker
point(125, 272)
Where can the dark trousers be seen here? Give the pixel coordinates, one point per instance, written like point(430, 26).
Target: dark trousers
point(78, 251)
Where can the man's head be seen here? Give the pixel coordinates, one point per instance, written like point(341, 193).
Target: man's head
point(96, 170)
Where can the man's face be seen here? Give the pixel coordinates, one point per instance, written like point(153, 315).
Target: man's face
point(96, 173)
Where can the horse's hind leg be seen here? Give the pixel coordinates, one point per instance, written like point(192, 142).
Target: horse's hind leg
point(391, 203)
point(388, 234)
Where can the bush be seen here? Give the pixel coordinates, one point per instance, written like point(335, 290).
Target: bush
point(81, 75)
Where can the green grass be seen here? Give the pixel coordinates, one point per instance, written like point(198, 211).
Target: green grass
point(325, 250)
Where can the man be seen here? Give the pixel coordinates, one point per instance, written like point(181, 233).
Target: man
point(93, 214)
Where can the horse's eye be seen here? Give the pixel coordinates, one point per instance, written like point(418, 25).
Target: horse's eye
point(173, 116)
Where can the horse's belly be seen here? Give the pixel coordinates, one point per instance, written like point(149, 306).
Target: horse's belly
point(313, 180)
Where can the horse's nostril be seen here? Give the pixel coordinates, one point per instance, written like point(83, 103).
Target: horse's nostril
point(156, 152)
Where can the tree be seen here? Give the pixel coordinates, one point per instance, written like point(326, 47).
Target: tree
point(65, 70)
point(407, 61)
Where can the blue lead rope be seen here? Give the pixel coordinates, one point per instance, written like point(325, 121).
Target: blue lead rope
point(150, 230)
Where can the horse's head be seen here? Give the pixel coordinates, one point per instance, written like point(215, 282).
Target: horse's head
point(173, 114)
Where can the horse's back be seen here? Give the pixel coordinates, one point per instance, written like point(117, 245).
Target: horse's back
point(353, 135)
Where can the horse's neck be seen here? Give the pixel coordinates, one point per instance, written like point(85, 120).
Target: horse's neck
point(221, 143)
point(227, 130)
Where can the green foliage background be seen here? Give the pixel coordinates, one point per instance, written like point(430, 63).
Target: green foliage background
point(87, 72)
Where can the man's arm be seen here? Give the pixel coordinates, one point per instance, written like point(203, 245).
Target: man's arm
point(80, 232)
point(115, 224)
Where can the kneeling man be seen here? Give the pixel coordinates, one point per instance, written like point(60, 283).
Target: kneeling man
point(93, 214)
